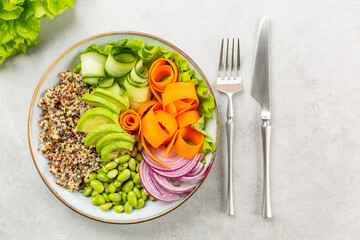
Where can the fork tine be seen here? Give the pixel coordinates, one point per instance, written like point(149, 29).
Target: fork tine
point(227, 59)
point(232, 59)
point(220, 68)
point(238, 59)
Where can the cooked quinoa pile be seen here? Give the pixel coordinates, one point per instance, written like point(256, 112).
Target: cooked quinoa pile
point(60, 142)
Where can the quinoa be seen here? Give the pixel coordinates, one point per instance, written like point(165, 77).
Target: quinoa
point(60, 142)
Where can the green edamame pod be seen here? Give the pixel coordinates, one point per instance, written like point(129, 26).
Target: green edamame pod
point(138, 157)
point(88, 190)
point(128, 186)
point(137, 192)
point(106, 206)
point(106, 196)
point(128, 208)
point(111, 165)
point(136, 179)
point(94, 202)
point(100, 199)
point(131, 196)
point(124, 158)
point(132, 164)
point(112, 188)
point(124, 175)
point(117, 183)
point(119, 208)
point(113, 173)
point(115, 197)
point(103, 177)
point(140, 203)
point(97, 185)
point(123, 166)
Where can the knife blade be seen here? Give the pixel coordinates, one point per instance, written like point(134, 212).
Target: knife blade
point(261, 92)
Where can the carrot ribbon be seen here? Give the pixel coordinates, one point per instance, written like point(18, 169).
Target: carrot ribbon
point(130, 121)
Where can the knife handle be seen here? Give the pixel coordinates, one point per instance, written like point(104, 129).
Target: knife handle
point(266, 135)
point(230, 138)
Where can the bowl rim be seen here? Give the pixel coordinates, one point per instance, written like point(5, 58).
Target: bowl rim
point(43, 77)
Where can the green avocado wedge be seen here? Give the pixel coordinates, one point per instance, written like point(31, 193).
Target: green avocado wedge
point(114, 149)
point(99, 131)
point(100, 102)
point(95, 117)
point(112, 137)
point(112, 97)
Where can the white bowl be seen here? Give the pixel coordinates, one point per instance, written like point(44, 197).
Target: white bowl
point(76, 201)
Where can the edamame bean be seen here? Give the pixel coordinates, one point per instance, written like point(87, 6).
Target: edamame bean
point(124, 175)
point(106, 187)
point(140, 203)
point(137, 167)
point(88, 190)
point(103, 177)
point(144, 192)
point(92, 176)
point(116, 203)
point(94, 202)
point(118, 208)
point(124, 158)
point(123, 166)
point(112, 188)
point(151, 198)
point(131, 196)
point(137, 192)
point(94, 193)
point(115, 197)
point(134, 151)
point(117, 183)
point(138, 157)
point(132, 175)
point(106, 196)
point(124, 197)
point(106, 206)
point(128, 208)
point(104, 169)
point(100, 199)
point(97, 185)
point(136, 179)
point(132, 164)
point(139, 186)
point(113, 173)
point(111, 165)
point(139, 146)
point(128, 186)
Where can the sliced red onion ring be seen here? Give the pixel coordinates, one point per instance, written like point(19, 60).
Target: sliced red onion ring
point(183, 188)
point(152, 187)
point(174, 162)
point(204, 172)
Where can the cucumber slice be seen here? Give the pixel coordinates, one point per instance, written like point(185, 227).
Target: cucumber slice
point(91, 81)
point(139, 74)
point(137, 93)
point(119, 62)
point(93, 64)
point(96, 101)
point(115, 88)
point(105, 82)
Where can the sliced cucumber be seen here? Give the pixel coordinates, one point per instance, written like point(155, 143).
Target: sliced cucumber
point(105, 82)
point(91, 81)
point(137, 93)
point(139, 74)
point(115, 88)
point(119, 62)
point(93, 64)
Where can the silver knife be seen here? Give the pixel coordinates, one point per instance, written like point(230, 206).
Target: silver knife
point(261, 92)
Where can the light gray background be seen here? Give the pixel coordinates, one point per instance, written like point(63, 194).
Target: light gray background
point(315, 49)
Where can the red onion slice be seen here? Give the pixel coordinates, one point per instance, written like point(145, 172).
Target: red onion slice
point(183, 188)
point(174, 162)
point(203, 173)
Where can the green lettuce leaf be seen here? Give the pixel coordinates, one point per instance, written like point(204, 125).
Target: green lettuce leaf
point(209, 143)
point(20, 23)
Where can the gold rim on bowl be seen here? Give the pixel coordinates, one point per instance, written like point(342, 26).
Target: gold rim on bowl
point(72, 48)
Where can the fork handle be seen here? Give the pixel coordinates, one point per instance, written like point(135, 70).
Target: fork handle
point(266, 135)
point(230, 137)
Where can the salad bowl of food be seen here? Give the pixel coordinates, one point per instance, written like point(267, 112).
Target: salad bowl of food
point(123, 127)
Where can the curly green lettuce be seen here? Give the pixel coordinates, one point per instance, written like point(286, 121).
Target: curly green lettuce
point(20, 23)
point(149, 54)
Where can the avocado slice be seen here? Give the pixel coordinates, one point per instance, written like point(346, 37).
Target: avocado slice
point(114, 149)
point(95, 117)
point(112, 97)
point(112, 137)
point(100, 102)
point(99, 131)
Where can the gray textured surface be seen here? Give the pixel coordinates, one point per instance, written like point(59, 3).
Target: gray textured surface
point(315, 49)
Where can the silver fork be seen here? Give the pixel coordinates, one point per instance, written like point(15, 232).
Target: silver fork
point(229, 82)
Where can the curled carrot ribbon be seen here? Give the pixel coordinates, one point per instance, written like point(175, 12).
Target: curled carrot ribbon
point(130, 121)
point(162, 73)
